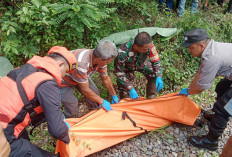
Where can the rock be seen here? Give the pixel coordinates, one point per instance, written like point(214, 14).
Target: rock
point(173, 148)
point(167, 152)
point(127, 149)
point(192, 155)
point(118, 147)
point(122, 150)
point(134, 155)
point(156, 150)
point(180, 154)
point(177, 130)
point(149, 147)
point(160, 155)
point(170, 142)
point(114, 150)
point(156, 144)
point(174, 154)
point(148, 153)
point(125, 154)
point(135, 148)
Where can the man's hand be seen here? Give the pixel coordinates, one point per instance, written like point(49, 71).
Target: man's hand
point(106, 105)
point(184, 91)
point(133, 94)
point(159, 84)
point(115, 99)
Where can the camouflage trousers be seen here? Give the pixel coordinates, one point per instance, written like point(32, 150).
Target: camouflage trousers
point(147, 70)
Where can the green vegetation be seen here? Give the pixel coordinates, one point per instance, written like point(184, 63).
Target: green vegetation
point(31, 27)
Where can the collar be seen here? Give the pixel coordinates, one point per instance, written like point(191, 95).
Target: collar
point(131, 48)
point(208, 48)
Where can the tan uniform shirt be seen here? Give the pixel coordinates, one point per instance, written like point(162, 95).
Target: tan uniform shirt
point(216, 61)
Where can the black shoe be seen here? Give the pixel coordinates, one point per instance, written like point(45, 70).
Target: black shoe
point(203, 142)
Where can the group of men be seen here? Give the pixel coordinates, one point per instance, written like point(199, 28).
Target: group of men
point(33, 93)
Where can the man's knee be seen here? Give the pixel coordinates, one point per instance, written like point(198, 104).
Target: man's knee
point(20, 147)
point(93, 87)
point(222, 86)
point(23, 147)
point(70, 109)
point(67, 94)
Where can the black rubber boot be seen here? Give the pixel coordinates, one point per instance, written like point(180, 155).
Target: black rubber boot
point(151, 90)
point(209, 141)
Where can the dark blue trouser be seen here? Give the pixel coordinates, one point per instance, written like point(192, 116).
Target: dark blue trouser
point(168, 4)
point(22, 147)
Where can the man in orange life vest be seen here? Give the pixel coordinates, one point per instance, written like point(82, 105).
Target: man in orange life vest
point(30, 95)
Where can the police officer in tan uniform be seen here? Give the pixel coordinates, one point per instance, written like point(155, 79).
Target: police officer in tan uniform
point(216, 61)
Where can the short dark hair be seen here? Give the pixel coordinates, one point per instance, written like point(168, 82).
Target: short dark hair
point(142, 38)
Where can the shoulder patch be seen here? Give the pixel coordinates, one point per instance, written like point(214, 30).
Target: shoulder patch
point(153, 54)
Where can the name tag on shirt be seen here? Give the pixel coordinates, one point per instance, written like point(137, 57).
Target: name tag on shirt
point(228, 107)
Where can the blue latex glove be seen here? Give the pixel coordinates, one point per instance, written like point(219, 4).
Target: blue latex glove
point(184, 91)
point(67, 124)
point(159, 84)
point(106, 105)
point(115, 99)
point(133, 94)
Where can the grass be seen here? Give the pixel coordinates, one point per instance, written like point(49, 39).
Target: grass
point(218, 26)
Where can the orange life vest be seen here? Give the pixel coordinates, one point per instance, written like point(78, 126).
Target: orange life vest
point(18, 105)
point(68, 82)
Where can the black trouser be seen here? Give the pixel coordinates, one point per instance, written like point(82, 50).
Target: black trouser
point(23, 147)
point(221, 116)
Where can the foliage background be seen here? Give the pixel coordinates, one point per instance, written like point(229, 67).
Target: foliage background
point(31, 27)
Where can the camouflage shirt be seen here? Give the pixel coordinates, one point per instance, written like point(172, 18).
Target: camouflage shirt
point(128, 61)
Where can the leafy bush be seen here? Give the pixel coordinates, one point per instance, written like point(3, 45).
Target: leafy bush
point(33, 26)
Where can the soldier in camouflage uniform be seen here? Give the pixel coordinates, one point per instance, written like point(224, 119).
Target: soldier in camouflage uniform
point(133, 56)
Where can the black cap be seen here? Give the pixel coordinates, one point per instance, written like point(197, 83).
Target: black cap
point(194, 36)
